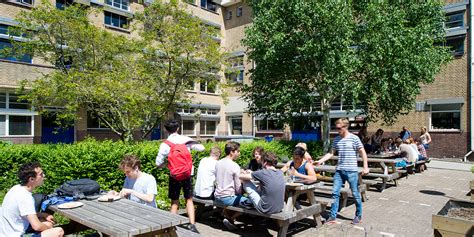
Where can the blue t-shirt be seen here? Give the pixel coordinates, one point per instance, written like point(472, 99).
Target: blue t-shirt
point(348, 151)
point(145, 184)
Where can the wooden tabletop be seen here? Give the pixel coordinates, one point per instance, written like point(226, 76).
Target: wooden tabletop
point(384, 155)
point(331, 168)
point(121, 218)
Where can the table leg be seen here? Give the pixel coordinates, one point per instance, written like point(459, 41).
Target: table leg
point(312, 200)
point(290, 202)
point(283, 228)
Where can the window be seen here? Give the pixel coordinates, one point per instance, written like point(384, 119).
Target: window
point(95, 123)
point(446, 116)
point(208, 127)
point(454, 20)
point(122, 4)
point(239, 11)
point(61, 4)
point(236, 77)
point(19, 125)
point(3, 100)
point(188, 127)
point(235, 126)
point(269, 124)
point(27, 2)
point(209, 111)
point(237, 68)
point(209, 5)
point(115, 20)
point(16, 103)
point(456, 45)
point(4, 43)
point(228, 15)
point(3, 125)
point(187, 110)
point(208, 86)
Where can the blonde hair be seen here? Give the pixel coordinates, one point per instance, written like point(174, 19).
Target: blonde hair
point(343, 121)
point(424, 129)
point(302, 145)
point(216, 151)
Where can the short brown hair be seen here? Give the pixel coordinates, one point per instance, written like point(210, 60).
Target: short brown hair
point(231, 146)
point(131, 161)
point(270, 158)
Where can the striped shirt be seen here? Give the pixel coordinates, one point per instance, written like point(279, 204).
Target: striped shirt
point(348, 151)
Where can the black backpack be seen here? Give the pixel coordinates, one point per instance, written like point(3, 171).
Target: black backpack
point(80, 189)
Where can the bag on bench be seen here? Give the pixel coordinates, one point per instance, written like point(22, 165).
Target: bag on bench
point(80, 189)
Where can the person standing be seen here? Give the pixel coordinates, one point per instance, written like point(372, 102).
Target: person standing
point(175, 185)
point(18, 214)
point(348, 146)
point(206, 175)
point(425, 138)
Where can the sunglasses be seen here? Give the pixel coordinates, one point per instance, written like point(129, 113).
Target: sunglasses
point(340, 128)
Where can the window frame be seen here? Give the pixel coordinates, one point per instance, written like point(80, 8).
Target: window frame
point(205, 128)
point(120, 4)
point(7, 112)
point(239, 12)
point(182, 127)
point(452, 14)
point(459, 111)
point(257, 125)
point(6, 38)
point(127, 19)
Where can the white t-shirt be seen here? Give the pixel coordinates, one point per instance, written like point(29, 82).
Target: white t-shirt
point(206, 177)
point(145, 184)
point(412, 155)
point(17, 205)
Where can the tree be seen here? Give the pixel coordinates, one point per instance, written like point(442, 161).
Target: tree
point(309, 52)
point(127, 83)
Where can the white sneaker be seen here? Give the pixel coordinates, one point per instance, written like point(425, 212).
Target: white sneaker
point(229, 225)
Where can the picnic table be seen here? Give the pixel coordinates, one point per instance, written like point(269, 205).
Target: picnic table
point(383, 155)
point(122, 218)
point(332, 169)
point(291, 212)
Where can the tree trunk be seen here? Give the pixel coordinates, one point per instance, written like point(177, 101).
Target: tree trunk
point(325, 125)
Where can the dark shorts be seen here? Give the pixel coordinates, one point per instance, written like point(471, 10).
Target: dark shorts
point(174, 188)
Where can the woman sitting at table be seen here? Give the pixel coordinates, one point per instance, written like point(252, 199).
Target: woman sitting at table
point(301, 169)
point(138, 186)
point(270, 198)
point(256, 163)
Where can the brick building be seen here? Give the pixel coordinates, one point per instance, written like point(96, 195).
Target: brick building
point(443, 107)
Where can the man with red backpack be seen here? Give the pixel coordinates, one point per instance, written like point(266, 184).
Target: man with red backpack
point(177, 151)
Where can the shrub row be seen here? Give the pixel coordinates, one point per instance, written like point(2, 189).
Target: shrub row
point(99, 161)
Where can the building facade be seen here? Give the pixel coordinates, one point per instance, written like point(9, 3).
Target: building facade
point(443, 107)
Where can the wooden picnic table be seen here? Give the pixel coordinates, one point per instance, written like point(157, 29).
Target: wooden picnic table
point(384, 155)
point(122, 218)
point(332, 169)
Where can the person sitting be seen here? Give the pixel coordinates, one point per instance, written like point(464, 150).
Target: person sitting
point(367, 146)
point(307, 156)
point(228, 190)
point(139, 186)
point(421, 150)
point(256, 163)
point(376, 140)
point(206, 175)
point(18, 216)
point(410, 154)
point(269, 199)
point(301, 169)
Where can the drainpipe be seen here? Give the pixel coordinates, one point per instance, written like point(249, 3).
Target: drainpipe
point(471, 76)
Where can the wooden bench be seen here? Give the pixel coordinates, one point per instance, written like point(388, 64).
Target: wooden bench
point(325, 190)
point(420, 166)
point(284, 218)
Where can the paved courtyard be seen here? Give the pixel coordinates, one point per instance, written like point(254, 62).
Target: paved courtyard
point(398, 211)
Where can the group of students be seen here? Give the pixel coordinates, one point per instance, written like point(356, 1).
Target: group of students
point(410, 149)
point(219, 179)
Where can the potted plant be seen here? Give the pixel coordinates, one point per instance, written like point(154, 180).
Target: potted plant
point(455, 219)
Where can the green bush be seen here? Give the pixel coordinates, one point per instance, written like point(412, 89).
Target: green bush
point(99, 161)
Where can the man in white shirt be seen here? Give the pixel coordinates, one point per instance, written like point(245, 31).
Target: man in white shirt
point(18, 208)
point(206, 175)
point(175, 186)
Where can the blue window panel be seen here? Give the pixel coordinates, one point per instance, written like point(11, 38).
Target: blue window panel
point(7, 44)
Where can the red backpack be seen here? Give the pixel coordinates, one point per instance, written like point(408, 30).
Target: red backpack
point(180, 162)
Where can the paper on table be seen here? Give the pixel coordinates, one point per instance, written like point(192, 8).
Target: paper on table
point(69, 205)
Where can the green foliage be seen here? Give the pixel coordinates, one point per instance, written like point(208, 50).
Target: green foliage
point(371, 54)
point(99, 161)
point(127, 83)
point(472, 169)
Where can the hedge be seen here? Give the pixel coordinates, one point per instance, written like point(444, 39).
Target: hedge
point(99, 161)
